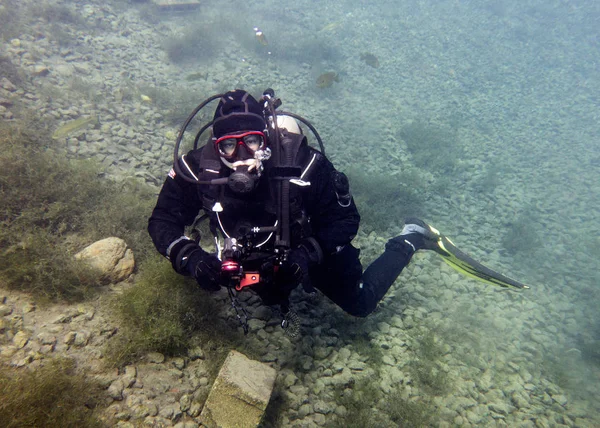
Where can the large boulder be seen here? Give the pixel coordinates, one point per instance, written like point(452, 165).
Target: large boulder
point(111, 257)
point(240, 394)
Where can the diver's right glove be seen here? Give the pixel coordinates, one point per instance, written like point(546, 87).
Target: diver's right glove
point(190, 259)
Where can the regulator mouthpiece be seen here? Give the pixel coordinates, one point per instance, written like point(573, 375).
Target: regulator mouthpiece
point(242, 180)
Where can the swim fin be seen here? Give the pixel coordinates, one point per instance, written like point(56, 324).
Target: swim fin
point(467, 265)
point(421, 236)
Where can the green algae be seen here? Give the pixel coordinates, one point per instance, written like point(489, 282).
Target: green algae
point(52, 207)
point(55, 394)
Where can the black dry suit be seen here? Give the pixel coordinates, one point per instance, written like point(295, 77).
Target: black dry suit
point(318, 211)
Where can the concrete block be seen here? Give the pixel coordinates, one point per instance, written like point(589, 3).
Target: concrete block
point(240, 394)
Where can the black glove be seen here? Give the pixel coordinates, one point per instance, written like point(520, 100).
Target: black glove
point(189, 259)
point(296, 269)
point(206, 268)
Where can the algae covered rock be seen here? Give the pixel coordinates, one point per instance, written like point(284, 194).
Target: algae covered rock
point(111, 257)
point(240, 393)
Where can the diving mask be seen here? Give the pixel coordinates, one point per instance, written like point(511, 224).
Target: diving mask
point(228, 145)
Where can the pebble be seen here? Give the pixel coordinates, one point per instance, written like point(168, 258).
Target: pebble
point(195, 409)
point(82, 338)
point(383, 327)
point(388, 360)
point(560, 399)
point(178, 363)
point(115, 390)
point(46, 339)
point(500, 408)
point(155, 357)
point(69, 338)
point(62, 319)
point(40, 70)
point(305, 410)
point(196, 353)
point(28, 307)
point(7, 84)
point(185, 402)
point(21, 339)
point(186, 424)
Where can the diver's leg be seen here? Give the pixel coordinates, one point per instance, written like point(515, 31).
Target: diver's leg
point(341, 279)
point(381, 274)
point(340, 275)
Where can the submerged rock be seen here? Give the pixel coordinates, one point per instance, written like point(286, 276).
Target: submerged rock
point(111, 257)
point(240, 393)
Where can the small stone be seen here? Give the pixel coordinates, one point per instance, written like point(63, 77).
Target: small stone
point(28, 307)
point(46, 339)
point(289, 380)
point(178, 362)
point(115, 390)
point(185, 402)
point(21, 362)
point(196, 353)
point(356, 365)
point(7, 84)
point(128, 381)
point(186, 424)
point(21, 339)
point(82, 338)
point(195, 409)
point(166, 412)
point(500, 408)
point(560, 399)
point(155, 357)
point(323, 407)
point(46, 349)
point(131, 371)
point(321, 352)
point(40, 70)
point(269, 357)
point(82, 67)
point(62, 319)
point(145, 409)
point(171, 412)
point(123, 416)
point(388, 360)
point(5, 310)
point(473, 417)
point(383, 327)
point(304, 410)
point(69, 338)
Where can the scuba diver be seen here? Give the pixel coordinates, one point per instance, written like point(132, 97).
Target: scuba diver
point(280, 214)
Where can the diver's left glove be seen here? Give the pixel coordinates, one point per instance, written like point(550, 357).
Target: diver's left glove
point(299, 261)
point(191, 260)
